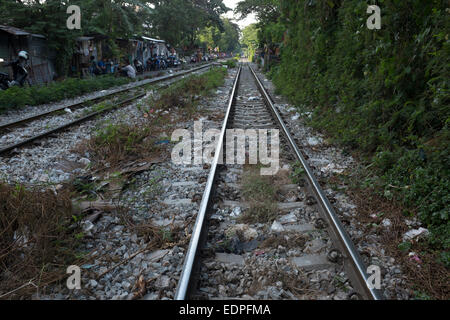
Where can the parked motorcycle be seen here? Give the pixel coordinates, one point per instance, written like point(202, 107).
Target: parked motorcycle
point(6, 82)
point(163, 64)
point(138, 66)
point(173, 62)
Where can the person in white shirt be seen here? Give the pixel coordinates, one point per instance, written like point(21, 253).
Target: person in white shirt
point(129, 71)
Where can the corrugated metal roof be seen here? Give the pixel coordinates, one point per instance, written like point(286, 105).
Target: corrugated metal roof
point(84, 38)
point(14, 31)
point(18, 32)
point(154, 40)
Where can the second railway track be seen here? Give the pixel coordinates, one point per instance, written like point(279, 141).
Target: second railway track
point(42, 131)
point(302, 252)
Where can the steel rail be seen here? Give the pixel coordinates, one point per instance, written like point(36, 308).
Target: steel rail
point(184, 284)
point(144, 82)
point(347, 243)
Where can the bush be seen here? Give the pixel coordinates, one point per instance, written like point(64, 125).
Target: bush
point(231, 64)
point(37, 238)
point(383, 92)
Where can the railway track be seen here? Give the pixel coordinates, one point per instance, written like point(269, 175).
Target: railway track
point(303, 252)
point(20, 123)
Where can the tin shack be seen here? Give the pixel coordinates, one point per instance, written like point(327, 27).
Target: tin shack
point(14, 40)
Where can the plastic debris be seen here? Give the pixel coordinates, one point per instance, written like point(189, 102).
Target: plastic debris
point(277, 227)
point(237, 211)
point(416, 233)
point(162, 142)
point(414, 257)
point(386, 223)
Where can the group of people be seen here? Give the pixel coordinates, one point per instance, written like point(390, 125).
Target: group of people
point(100, 67)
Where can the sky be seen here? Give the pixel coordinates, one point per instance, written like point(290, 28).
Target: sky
point(242, 23)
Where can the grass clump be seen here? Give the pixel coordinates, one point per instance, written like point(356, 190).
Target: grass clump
point(184, 94)
point(114, 144)
point(260, 193)
point(37, 239)
point(231, 64)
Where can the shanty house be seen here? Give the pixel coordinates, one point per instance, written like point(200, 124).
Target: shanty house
point(14, 40)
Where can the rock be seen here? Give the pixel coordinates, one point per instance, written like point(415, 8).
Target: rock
point(156, 255)
point(310, 201)
point(274, 293)
point(85, 161)
point(415, 234)
point(151, 296)
point(243, 230)
point(93, 283)
point(313, 141)
point(126, 285)
point(87, 226)
point(237, 211)
point(315, 246)
point(386, 223)
point(162, 282)
point(276, 227)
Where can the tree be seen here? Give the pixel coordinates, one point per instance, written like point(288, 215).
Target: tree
point(180, 22)
point(250, 40)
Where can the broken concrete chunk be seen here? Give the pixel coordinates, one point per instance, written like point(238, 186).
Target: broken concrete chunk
point(314, 141)
point(104, 206)
point(311, 261)
point(288, 219)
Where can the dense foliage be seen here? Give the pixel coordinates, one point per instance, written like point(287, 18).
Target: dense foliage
point(224, 41)
point(250, 40)
point(382, 92)
point(177, 21)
